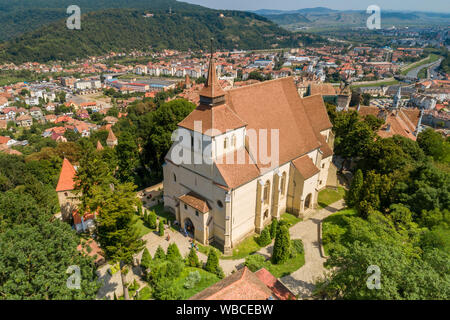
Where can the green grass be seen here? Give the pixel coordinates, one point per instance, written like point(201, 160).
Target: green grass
point(336, 219)
point(375, 84)
point(207, 280)
point(290, 219)
point(142, 229)
point(280, 270)
point(293, 264)
point(422, 73)
point(145, 293)
point(431, 58)
point(245, 248)
point(160, 212)
point(329, 196)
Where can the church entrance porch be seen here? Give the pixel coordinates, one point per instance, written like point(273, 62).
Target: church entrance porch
point(189, 228)
point(308, 201)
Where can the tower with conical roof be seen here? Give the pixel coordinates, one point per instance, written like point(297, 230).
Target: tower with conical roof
point(65, 190)
point(99, 145)
point(111, 141)
point(212, 94)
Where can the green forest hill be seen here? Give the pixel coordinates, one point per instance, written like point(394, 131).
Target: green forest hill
point(120, 29)
point(20, 16)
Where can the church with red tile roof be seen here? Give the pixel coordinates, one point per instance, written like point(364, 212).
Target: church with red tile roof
point(245, 156)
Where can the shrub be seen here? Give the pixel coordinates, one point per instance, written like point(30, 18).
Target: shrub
point(219, 272)
point(192, 279)
point(332, 233)
point(146, 260)
point(273, 228)
point(213, 261)
point(161, 229)
point(159, 254)
point(255, 262)
point(145, 219)
point(281, 248)
point(166, 290)
point(264, 239)
point(173, 252)
point(144, 294)
point(192, 259)
point(139, 210)
point(152, 220)
point(164, 269)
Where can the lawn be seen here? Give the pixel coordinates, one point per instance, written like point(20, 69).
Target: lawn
point(142, 229)
point(207, 279)
point(245, 248)
point(161, 213)
point(293, 264)
point(145, 293)
point(329, 196)
point(280, 270)
point(381, 83)
point(290, 219)
point(334, 227)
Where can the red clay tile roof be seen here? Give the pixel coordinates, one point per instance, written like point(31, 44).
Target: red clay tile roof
point(111, 135)
point(220, 118)
point(325, 148)
point(397, 122)
point(325, 89)
point(195, 201)
point(278, 288)
point(276, 105)
point(77, 217)
point(212, 87)
point(234, 173)
point(99, 145)
point(305, 166)
point(241, 285)
point(95, 250)
point(66, 178)
point(317, 113)
point(4, 139)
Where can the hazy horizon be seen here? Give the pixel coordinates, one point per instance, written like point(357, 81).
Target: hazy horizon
point(438, 6)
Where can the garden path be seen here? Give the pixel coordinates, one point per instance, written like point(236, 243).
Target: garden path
point(301, 282)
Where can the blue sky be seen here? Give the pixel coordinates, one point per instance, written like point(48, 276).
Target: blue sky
point(420, 5)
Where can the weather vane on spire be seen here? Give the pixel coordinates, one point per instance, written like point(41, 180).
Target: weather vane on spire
point(212, 49)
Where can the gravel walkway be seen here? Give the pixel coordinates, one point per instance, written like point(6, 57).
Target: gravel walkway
point(302, 281)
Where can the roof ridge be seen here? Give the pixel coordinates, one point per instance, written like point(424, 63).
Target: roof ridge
point(260, 83)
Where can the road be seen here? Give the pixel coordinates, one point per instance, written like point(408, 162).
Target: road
point(414, 72)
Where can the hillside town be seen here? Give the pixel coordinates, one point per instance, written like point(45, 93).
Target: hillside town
point(70, 103)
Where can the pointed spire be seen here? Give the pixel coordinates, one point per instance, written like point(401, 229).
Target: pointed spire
point(212, 93)
point(187, 81)
point(66, 177)
point(111, 141)
point(99, 145)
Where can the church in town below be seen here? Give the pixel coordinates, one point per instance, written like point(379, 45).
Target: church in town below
point(225, 201)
